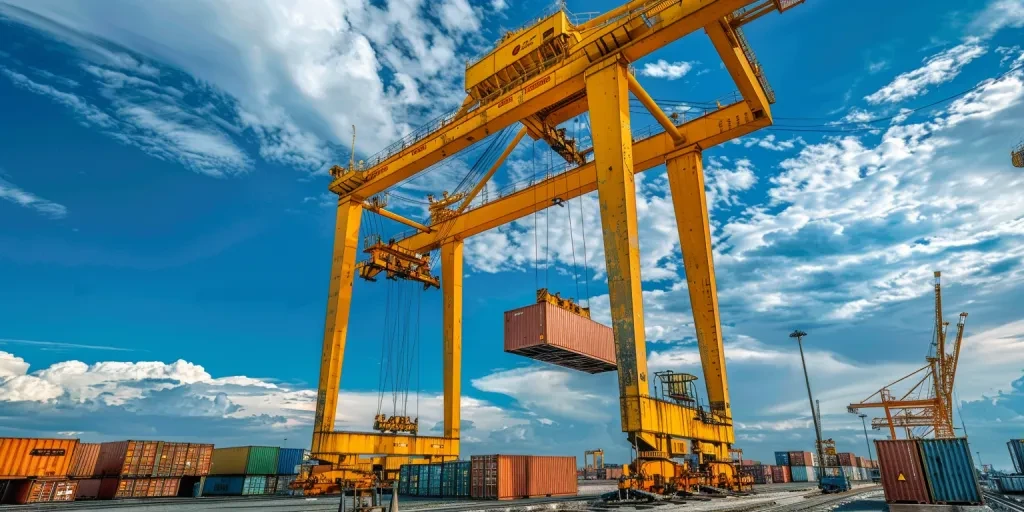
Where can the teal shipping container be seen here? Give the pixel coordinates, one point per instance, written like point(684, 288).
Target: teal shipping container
point(1010, 484)
point(288, 459)
point(223, 486)
point(455, 479)
point(1016, 447)
point(949, 471)
point(255, 486)
point(403, 480)
point(434, 482)
point(438, 480)
point(262, 460)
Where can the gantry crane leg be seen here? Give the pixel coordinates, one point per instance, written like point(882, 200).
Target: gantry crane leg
point(686, 182)
point(607, 95)
point(339, 302)
point(451, 287)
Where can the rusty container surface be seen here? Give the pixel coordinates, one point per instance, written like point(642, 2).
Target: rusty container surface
point(83, 462)
point(847, 459)
point(506, 477)
point(613, 473)
point(41, 491)
point(26, 457)
point(901, 470)
point(197, 459)
point(781, 474)
point(88, 489)
point(129, 458)
point(548, 333)
point(800, 459)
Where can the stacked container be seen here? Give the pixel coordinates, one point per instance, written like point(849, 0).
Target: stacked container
point(246, 470)
point(141, 469)
point(1016, 447)
point(781, 474)
point(782, 459)
point(34, 470)
point(1010, 484)
point(505, 477)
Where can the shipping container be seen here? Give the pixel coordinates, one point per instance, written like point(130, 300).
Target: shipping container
point(901, 471)
point(229, 461)
point(781, 474)
point(1016, 447)
point(949, 471)
point(803, 474)
point(548, 333)
point(39, 491)
point(612, 472)
point(262, 460)
point(88, 489)
point(129, 458)
point(199, 459)
point(858, 462)
point(455, 479)
point(781, 458)
point(1010, 484)
point(284, 483)
point(83, 462)
point(801, 459)
point(255, 485)
point(25, 457)
point(216, 485)
point(505, 477)
point(150, 487)
point(290, 458)
point(434, 480)
point(850, 472)
point(847, 459)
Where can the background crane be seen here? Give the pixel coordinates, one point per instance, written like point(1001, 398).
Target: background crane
point(926, 407)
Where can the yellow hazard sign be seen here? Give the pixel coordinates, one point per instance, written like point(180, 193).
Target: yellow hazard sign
point(901, 478)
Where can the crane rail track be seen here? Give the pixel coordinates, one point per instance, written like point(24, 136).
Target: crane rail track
point(1001, 502)
point(822, 501)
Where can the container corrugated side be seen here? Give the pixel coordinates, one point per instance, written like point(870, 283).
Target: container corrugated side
point(803, 474)
point(229, 461)
point(42, 491)
point(83, 462)
point(902, 472)
point(484, 476)
point(262, 460)
point(289, 458)
point(254, 485)
point(782, 458)
point(545, 332)
point(949, 471)
point(88, 489)
point(23, 457)
point(781, 474)
point(1010, 484)
point(847, 459)
point(801, 459)
point(216, 485)
point(551, 476)
point(1016, 447)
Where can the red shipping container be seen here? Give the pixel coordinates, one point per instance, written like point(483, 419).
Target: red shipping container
point(902, 474)
point(800, 459)
point(506, 477)
point(781, 474)
point(88, 489)
point(546, 332)
point(40, 491)
point(859, 462)
point(83, 462)
point(847, 459)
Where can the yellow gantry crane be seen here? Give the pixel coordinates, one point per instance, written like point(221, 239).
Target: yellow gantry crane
point(928, 403)
point(542, 76)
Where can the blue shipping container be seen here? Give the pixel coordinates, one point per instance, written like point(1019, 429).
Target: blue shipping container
point(289, 458)
point(1010, 484)
point(782, 458)
point(1016, 447)
point(803, 474)
point(949, 470)
point(255, 486)
point(223, 486)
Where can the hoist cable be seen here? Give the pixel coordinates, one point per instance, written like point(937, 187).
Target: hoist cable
point(547, 232)
point(586, 271)
point(536, 242)
point(572, 242)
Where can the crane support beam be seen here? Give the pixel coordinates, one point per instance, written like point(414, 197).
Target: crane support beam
point(395, 217)
point(339, 302)
point(730, 122)
point(663, 418)
point(335, 445)
point(896, 404)
point(497, 163)
point(739, 67)
point(647, 31)
point(652, 107)
point(607, 88)
point(451, 288)
point(686, 182)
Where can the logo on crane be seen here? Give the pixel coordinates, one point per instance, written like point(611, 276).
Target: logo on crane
point(515, 51)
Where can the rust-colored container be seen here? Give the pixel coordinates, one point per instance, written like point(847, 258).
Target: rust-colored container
point(41, 491)
point(197, 459)
point(902, 474)
point(800, 459)
point(613, 472)
point(144, 459)
point(848, 460)
point(859, 462)
point(25, 457)
point(120, 488)
point(88, 489)
point(506, 477)
point(546, 332)
point(83, 462)
point(781, 474)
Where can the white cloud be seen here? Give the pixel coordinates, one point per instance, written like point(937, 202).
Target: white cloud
point(21, 197)
point(878, 66)
point(937, 69)
point(664, 69)
point(856, 115)
point(768, 142)
point(546, 390)
point(1010, 53)
point(997, 15)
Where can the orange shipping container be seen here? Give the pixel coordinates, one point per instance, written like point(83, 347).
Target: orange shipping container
point(546, 332)
point(506, 477)
point(40, 491)
point(22, 457)
point(83, 463)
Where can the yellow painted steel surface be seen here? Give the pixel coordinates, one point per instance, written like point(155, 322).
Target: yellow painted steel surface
point(451, 282)
point(345, 443)
point(229, 461)
point(521, 48)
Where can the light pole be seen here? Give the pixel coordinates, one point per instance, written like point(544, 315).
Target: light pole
point(799, 335)
point(863, 423)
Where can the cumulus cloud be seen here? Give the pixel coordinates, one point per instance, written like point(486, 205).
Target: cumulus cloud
point(664, 69)
point(937, 69)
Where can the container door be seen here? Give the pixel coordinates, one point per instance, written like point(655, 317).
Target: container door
point(949, 470)
point(902, 473)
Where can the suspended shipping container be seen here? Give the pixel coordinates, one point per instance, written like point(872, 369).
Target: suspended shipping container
point(1010, 484)
point(288, 459)
point(1016, 447)
point(782, 458)
point(216, 485)
point(37, 491)
point(548, 333)
point(781, 474)
point(506, 477)
point(24, 457)
point(800, 459)
point(949, 471)
point(901, 471)
point(803, 474)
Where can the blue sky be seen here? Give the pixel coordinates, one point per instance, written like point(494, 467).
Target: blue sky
point(165, 231)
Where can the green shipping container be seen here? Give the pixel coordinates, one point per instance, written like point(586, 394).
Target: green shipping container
point(262, 460)
point(403, 480)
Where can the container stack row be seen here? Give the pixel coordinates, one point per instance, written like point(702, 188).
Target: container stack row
point(1013, 484)
point(494, 477)
point(928, 471)
point(36, 470)
point(253, 470)
point(609, 472)
point(804, 466)
point(138, 469)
